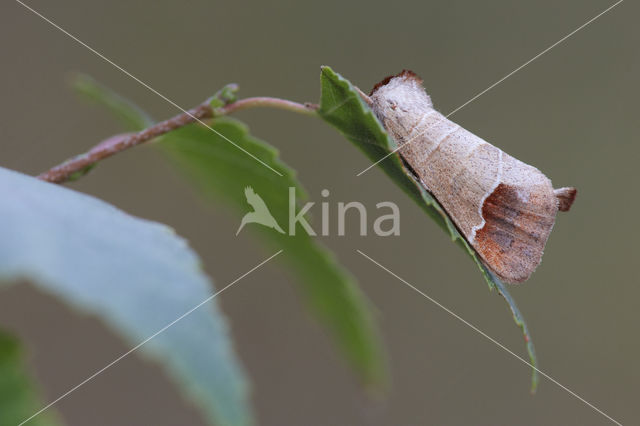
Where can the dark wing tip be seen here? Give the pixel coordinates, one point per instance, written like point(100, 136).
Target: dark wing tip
point(566, 196)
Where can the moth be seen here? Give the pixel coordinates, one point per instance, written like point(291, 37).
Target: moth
point(503, 207)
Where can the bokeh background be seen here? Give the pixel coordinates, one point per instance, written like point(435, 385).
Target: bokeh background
point(572, 113)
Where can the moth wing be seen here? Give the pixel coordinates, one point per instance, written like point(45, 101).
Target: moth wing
point(519, 215)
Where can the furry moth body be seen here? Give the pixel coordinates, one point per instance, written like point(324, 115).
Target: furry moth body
point(503, 207)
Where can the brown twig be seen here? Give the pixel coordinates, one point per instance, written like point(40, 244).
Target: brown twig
point(111, 146)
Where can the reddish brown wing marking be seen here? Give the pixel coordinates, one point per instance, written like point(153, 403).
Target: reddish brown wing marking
point(515, 232)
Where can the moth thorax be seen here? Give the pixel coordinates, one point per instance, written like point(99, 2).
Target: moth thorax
point(400, 95)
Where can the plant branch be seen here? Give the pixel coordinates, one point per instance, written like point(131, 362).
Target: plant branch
point(81, 164)
point(306, 108)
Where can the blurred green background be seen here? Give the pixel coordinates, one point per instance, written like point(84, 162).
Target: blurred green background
point(572, 113)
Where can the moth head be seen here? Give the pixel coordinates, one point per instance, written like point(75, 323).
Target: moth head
point(399, 94)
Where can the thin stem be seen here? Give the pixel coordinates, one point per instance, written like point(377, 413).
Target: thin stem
point(307, 108)
point(82, 163)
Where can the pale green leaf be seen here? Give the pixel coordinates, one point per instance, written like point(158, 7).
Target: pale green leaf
point(342, 107)
point(136, 275)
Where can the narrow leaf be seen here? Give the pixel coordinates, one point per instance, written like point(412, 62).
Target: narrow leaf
point(136, 275)
point(222, 170)
point(18, 396)
point(342, 107)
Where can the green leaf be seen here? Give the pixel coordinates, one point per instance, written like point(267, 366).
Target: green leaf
point(18, 396)
point(342, 107)
point(221, 170)
point(136, 275)
point(129, 114)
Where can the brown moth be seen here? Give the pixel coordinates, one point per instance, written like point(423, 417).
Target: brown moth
point(503, 207)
